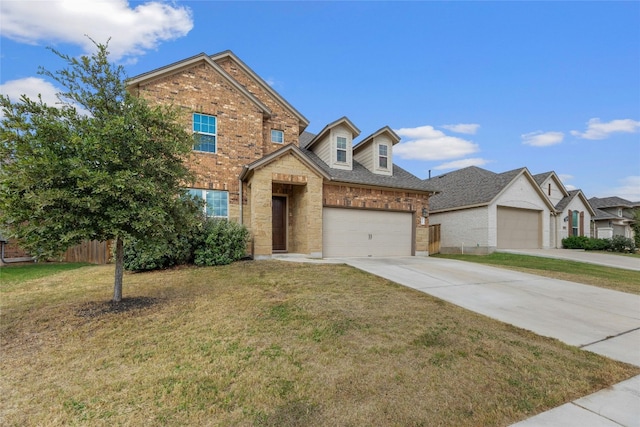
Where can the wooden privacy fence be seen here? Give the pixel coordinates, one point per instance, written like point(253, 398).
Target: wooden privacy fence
point(93, 252)
point(434, 239)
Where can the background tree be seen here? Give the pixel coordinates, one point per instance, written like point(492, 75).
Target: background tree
point(102, 165)
point(635, 226)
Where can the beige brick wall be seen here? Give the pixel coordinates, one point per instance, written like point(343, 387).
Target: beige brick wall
point(335, 195)
point(287, 176)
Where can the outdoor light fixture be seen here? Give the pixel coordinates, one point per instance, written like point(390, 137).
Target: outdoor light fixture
point(425, 212)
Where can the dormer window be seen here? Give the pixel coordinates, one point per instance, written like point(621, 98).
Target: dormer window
point(341, 149)
point(383, 156)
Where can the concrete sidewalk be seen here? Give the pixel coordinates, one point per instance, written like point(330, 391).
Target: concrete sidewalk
point(599, 320)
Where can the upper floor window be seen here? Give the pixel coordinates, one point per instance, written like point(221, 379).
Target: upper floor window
point(216, 202)
point(341, 149)
point(620, 213)
point(383, 156)
point(277, 136)
point(204, 133)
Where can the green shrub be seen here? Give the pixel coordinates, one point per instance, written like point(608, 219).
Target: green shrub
point(622, 244)
point(575, 242)
point(598, 245)
point(223, 242)
point(145, 255)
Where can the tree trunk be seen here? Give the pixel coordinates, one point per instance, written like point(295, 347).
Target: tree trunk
point(117, 286)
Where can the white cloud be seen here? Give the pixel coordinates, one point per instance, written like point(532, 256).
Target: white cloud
point(132, 30)
point(542, 139)
point(564, 177)
point(463, 163)
point(427, 143)
point(629, 189)
point(570, 187)
point(30, 86)
point(598, 130)
point(466, 128)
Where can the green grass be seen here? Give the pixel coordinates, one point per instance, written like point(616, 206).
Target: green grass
point(268, 343)
point(15, 274)
point(590, 274)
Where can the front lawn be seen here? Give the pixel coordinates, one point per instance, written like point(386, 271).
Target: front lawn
point(271, 343)
point(573, 271)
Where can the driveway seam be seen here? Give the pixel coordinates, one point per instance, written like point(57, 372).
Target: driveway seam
point(609, 337)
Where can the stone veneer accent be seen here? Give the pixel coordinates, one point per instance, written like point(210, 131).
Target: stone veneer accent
point(290, 177)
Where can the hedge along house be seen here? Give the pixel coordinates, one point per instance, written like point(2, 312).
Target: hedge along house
point(317, 195)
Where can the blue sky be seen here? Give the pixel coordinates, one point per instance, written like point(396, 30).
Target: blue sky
point(500, 85)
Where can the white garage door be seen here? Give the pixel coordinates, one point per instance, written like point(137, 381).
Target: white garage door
point(519, 228)
point(359, 232)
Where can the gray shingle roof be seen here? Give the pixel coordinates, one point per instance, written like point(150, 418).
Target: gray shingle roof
point(541, 177)
point(566, 199)
point(401, 179)
point(611, 202)
point(470, 186)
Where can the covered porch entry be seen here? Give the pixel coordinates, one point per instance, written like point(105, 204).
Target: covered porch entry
point(284, 204)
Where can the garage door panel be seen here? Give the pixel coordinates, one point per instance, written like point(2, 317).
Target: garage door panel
point(519, 228)
point(359, 232)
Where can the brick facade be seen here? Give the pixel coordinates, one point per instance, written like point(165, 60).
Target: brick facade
point(246, 111)
point(343, 195)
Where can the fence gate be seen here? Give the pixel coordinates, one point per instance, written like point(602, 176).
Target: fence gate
point(434, 239)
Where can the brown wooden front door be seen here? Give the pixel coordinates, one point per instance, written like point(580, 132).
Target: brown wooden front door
point(279, 223)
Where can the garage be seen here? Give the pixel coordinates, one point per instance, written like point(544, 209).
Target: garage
point(519, 228)
point(365, 233)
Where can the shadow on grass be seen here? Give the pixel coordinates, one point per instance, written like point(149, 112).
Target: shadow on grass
point(100, 308)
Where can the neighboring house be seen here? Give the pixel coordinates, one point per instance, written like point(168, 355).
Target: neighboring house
point(318, 195)
point(573, 213)
point(613, 216)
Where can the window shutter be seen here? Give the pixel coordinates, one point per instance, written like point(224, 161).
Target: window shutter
point(570, 229)
point(582, 223)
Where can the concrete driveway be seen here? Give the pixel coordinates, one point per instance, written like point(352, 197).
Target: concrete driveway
point(599, 320)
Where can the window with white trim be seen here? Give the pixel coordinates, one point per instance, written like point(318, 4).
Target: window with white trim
point(341, 149)
point(216, 202)
point(277, 136)
point(204, 133)
point(383, 156)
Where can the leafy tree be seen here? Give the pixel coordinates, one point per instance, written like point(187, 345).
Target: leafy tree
point(636, 227)
point(102, 165)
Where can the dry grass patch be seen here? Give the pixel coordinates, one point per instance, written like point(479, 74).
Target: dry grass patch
point(272, 344)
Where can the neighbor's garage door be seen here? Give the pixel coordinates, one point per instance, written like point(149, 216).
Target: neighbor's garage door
point(519, 228)
point(359, 232)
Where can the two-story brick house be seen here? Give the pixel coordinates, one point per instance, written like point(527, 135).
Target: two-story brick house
point(318, 195)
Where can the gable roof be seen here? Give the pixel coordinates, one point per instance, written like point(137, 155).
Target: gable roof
point(612, 202)
point(394, 138)
point(572, 194)
point(229, 54)
point(542, 177)
point(289, 148)
point(474, 187)
point(144, 78)
point(344, 120)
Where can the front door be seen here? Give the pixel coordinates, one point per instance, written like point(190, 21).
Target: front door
point(279, 223)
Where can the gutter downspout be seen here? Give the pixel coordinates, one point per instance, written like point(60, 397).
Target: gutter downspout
point(240, 201)
point(6, 261)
